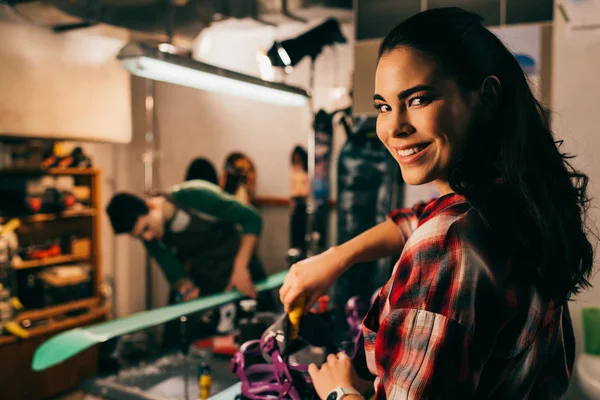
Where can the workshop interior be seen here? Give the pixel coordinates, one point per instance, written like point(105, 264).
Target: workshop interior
point(264, 109)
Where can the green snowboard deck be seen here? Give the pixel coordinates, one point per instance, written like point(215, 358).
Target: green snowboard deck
point(70, 343)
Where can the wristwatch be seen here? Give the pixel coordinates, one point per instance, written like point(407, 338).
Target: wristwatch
point(339, 393)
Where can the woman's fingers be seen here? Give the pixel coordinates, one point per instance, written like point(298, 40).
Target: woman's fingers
point(290, 297)
point(312, 370)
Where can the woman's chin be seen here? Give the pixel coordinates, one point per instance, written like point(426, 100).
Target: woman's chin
point(414, 179)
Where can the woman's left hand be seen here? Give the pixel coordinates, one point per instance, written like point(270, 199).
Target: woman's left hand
point(337, 371)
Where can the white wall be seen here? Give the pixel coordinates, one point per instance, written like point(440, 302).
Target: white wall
point(66, 85)
point(576, 119)
point(194, 123)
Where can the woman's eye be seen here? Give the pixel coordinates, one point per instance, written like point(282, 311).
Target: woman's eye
point(418, 101)
point(382, 107)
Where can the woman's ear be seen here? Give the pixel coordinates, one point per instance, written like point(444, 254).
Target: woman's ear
point(489, 98)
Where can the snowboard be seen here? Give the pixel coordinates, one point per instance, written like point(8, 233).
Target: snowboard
point(70, 343)
point(323, 128)
point(369, 187)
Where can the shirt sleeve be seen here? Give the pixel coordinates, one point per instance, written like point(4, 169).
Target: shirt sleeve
point(429, 357)
point(442, 319)
point(166, 260)
point(407, 219)
point(212, 201)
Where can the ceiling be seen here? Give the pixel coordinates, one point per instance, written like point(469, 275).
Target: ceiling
point(182, 18)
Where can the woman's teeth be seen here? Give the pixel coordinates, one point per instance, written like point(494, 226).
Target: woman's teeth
point(410, 152)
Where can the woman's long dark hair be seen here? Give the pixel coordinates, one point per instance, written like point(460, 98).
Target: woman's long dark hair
point(512, 170)
point(302, 154)
point(202, 168)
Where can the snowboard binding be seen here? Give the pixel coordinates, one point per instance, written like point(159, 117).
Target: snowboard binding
point(276, 366)
point(277, 379)
point(356, 309)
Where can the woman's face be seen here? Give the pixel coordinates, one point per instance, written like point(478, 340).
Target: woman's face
point(424, 117)
point(297, 160)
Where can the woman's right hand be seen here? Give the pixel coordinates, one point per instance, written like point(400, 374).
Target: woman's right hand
point(313, 276)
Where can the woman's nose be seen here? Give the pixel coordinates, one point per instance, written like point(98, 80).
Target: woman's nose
point(398, 125)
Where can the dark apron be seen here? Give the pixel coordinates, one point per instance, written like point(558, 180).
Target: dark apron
point(207, 248)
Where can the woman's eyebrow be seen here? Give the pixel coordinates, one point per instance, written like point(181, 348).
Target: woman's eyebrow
point(407, 92)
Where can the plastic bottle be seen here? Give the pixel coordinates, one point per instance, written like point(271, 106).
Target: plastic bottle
point(204, 381)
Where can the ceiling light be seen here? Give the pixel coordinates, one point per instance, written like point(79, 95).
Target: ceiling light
point(160, 64)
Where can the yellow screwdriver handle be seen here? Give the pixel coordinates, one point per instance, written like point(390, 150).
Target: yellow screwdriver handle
point(295, 314)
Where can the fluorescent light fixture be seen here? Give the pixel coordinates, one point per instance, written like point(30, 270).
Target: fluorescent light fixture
point(150, 62)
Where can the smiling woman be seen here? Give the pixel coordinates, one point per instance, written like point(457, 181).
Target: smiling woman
point(480, 291)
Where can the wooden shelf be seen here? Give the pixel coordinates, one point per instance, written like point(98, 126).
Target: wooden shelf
point(7, 339)
point(47, 262)
point(93, 314)
point(49, 171)
point(59, 309)
point(53, 217)
point(72, 171)
point(69, 322)
point(281, 202)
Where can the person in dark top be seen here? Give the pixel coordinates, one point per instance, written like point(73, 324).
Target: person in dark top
point(202, 238)
point(204, 241)
point(299, 188)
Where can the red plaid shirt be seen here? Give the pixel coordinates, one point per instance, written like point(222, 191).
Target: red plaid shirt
point(454, 322)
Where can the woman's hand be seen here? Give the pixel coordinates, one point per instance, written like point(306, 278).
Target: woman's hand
point(312, 276)
point(337, 371)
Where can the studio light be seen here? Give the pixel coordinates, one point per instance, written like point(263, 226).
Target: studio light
point(160, 64)
point(288, 53)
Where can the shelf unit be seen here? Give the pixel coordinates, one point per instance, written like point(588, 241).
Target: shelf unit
point(19, 381)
